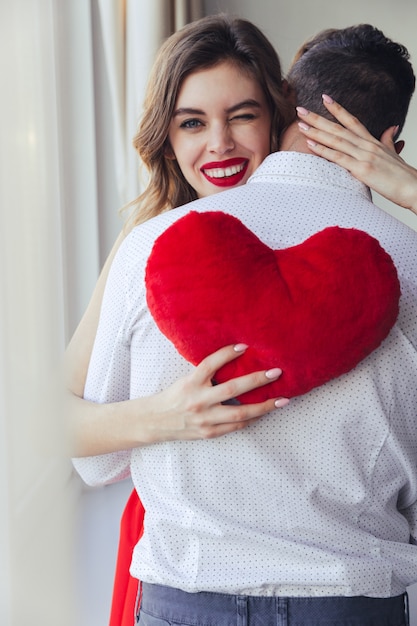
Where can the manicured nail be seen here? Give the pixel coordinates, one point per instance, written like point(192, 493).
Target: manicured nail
point(302, 111)
point(327, 99)
point(311, 143)
point(303, 126)
point(273, 373)
point(240, 347)
point(281, 402)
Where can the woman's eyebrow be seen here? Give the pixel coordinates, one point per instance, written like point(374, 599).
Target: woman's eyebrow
point(239, 105)
point(187, 111)
point(244, 105)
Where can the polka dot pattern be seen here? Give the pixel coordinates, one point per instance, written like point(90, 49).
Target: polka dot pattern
point(316, 499)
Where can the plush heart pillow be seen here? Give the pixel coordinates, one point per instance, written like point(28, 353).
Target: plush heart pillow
point(315, 310)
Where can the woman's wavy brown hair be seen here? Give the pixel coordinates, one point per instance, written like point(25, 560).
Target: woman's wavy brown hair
point(199, 45)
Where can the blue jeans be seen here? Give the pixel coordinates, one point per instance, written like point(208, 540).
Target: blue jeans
point(165, 606)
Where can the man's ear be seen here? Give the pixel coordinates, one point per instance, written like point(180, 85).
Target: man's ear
point(387, 138)
point(289, 92)
point(399, 146)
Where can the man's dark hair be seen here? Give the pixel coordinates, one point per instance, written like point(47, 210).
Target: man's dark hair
point(367, 73)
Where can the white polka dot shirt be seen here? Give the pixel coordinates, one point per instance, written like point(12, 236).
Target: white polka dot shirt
point(316, 499)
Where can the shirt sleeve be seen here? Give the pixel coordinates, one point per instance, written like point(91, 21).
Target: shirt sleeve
point(108, 378)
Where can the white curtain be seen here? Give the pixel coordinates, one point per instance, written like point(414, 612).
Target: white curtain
point(36, 491)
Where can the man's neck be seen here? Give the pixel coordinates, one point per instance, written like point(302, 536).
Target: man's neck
point(293, 141)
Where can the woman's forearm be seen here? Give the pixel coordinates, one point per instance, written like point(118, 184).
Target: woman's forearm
point(191, 408)
point(102, 428)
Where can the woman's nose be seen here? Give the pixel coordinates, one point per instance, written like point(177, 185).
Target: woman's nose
point(220, 140)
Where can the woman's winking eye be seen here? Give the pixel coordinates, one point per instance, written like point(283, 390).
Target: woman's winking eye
point(243, 116)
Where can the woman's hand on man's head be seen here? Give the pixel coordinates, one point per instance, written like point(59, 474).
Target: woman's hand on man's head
point(349, 144)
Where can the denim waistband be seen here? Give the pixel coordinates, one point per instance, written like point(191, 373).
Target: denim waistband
point(217, 609)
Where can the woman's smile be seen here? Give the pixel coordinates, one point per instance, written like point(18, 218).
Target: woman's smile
point(225, 173)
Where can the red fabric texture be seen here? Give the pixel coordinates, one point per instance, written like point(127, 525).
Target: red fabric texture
point(125, 587)
point(315, 309)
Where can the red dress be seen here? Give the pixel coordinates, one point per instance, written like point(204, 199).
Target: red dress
point(125, 587)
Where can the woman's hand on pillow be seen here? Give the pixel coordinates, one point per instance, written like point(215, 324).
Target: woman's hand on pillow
point(195, 408)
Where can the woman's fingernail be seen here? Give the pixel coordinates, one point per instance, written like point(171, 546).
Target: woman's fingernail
point(303, 126)
point(240, 347)
point(273, 373)
point(281, 402)
point(302, 111)
point(311, 143)
point(327, 99)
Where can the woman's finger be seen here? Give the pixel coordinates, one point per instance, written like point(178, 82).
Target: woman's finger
point(227, 419)
point(205, 370)
point(346, 119)
point(235, 387)
point(349, 127)
point(347, 144)
point(321, 131)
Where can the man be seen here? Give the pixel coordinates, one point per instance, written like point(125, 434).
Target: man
point(308, 516)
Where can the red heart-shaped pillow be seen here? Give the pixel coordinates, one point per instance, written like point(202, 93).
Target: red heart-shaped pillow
point(315, 310)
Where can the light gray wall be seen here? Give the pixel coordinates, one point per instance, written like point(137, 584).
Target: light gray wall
point(288, 24)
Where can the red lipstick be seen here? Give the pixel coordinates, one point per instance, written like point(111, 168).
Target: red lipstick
point(225, 173)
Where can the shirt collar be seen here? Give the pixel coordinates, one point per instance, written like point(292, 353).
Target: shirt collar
point(303, 169)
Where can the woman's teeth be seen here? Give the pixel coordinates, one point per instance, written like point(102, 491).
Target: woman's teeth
point(219, 172)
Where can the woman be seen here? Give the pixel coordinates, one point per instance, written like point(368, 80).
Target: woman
point(203, 44)
point(214, 108)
